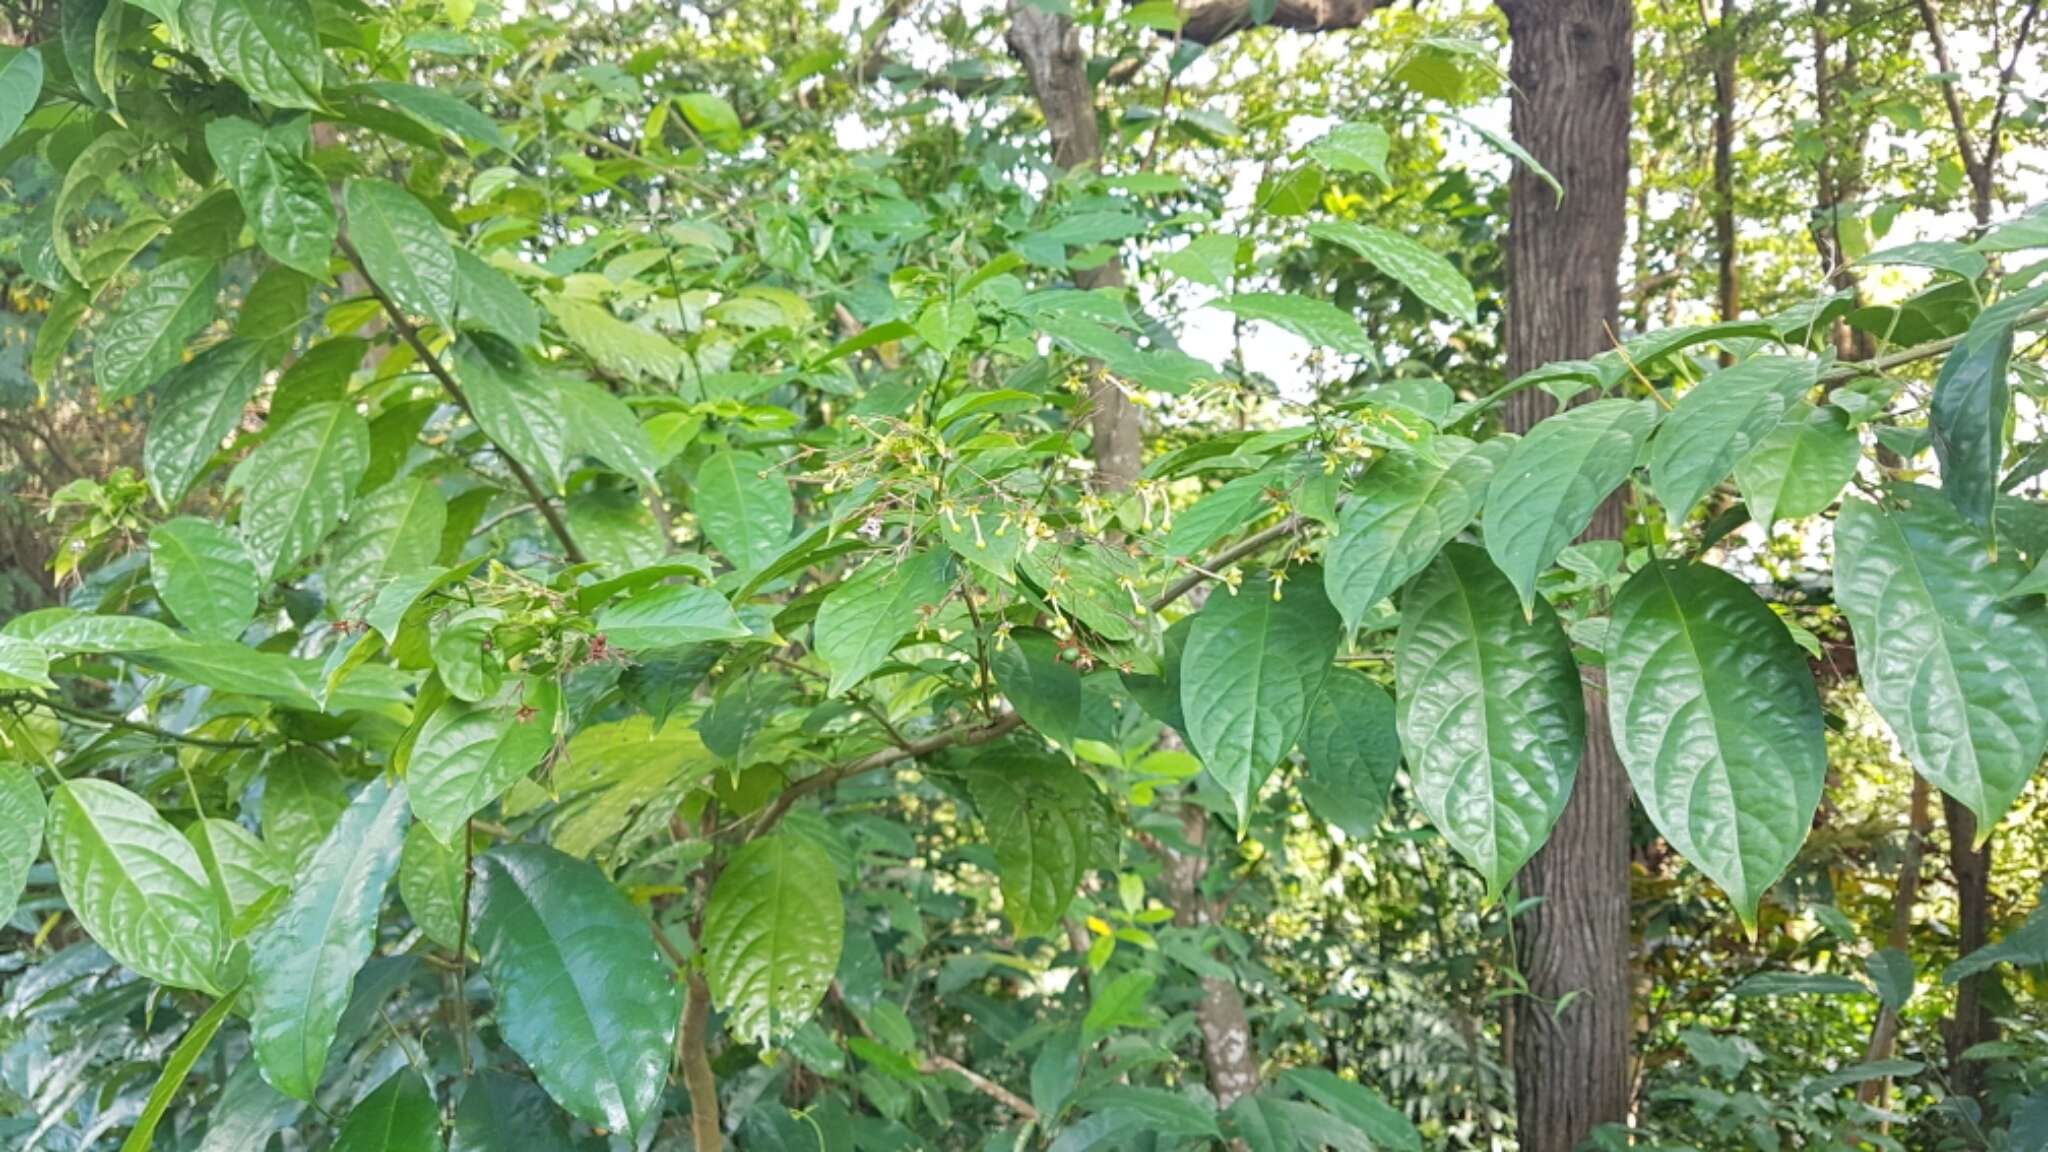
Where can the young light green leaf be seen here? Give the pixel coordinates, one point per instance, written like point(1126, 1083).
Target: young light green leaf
point(22, 815)
point(403, 248)
point(144, 336)
point(392, 532)
point(1353, 749)
point(248, 876)
point(1355, 146)
point(299, 484)
point(1958, 673)
point(1405, 509)
point(283, 196)
point(24, 664)
point(1552, 482)
point(668, 617)
point(861, 621)
point(398, 1116)
point(1316, 321)
point(1972, 397)
point(583, 996)
point(772, 935)
point(269, 47)
point(1210, 260)
point(1492, 717)
point(1799, 469)
point(176, 1067)
point(1718, 422)
point(432, 881)
point(203, 575)
point(1039, 814)
point(744, 506)
point(621, 349)
point(21, 83)
point(199, 405)
point(1432, 278)
point(1254, 663)
point(467, 755)
point(1718, 722)
point(135, 885)
point(1044, 689)
point(303, 964)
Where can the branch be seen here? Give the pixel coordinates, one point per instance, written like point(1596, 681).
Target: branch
point(1212, 20)
point(1225, 559)
point(411, 335)
point(110, 720)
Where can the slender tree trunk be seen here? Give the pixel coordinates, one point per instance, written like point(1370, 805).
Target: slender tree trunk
point(1884, 1037)
point(1727, 52)
point(1971, 1023)
point(1229, 1054)
point(1572, 70)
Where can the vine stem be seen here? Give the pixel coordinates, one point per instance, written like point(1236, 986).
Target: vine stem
point(112, 721)
point(411, 334)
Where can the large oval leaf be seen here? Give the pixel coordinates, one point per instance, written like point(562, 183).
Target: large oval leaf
point(1404, 510)
point(744, 506)
point(1972, 398)
point(1492, 716)
point(583, 995)
point(1043, 688)
point(22, 814)
point(248, 876)
point(1434, 280)
point(302, 966)
point(403, 248)
point(860, 622)
point(772, 935)
point(269, 47)
point(21, 82)
point(1353, 749)
point(1718, 721)
point(1253, 665)
point(298, 485)
point(668, 617)
point(519, 410)
point(1039, 813)
point(198, 406)
point(144, 336)
point(1800, 468)
point(1718, 421)
point(203, 575)
point(399, 1115)
point(467, 755)
point(136, 885)
point(432, 879)
point(283, 196)
point(1960, 674)
point(394, 531)
point(1552, 482)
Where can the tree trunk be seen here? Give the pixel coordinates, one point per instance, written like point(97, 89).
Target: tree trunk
point(1884, 1037)
point(1971, 1023)
point(1572, 71)
point(1727, 52)
point(1228, 1052)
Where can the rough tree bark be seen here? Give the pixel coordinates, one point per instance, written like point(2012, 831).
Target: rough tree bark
point(1573, 69)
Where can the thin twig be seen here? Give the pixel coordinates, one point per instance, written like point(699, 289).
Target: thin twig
point(112, 721)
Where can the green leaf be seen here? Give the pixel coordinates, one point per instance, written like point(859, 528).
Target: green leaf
point(1044, 689)
point(1165, 369)
point(248, 1113)
point(22, 815)
point(403, 248)
point(1491, 714)
point(713, 118)
point(1216, 515)
point(67, 631)
point(144, 336)
point(1357, 1105)
point(1353, 147)
point(1429, 276)
point(135, 885)
point(1405, 509)
point(303, 797)
point(398, 1116)
point(176, 1067)
point(516, 408)
point(1958, 673)
point(1891, 972)
point(488, 300)
point(602, 425)
point(862, 620)
point(21, 83)
point(199, 405)
point(1801, 984)
point(299, 484)
point(1718, 422)
point(1353, 749)
point(2025, 946)
point(670, 616)
point(467, 755)
point(1718, 721)
point(248, 876)
point(1210, 260)
point(1799, 469)
point(269, 47)
point(1553, 481)
point(203, 575)
point(1972, 398)
point(1254, 663)
point(583, 996)
point(392, 532)
point(619, 348)
point(1507, 147)
point(283, 196)
point(24, 664)
point(1317, 321)
point(744, 506)
point(1039, 815)
point(431, 883)
point(302, 966)
point(439, 110)
point(1120, 1003)
point(772, 935)
point(501, 1112)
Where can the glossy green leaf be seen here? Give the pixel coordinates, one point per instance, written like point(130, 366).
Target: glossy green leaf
point(670, 616)
point(745, 507)
point(1491, 713)
point(501, 1112)
point(488, 299)
point(441, 111)
point(135, 885)
point(1043, 688)
point(283, 196)
point(204, 576)
point(1801, 467)
point(862, 619)
point(403, 248)
point(515, 407)
point(248, 876)
point(583, 995)
point(269, 47)
point(1353, 749)
point(772, 935)
point(1353, 147)
point(1254, 663)
point(1038, 813)
point(22, 815)
point(24, 664)
point(467, 755)
point(1718, 421)
point(392, 532)
point(303, 965)
point(1553, 481)
point(620, 349)
point(199, 405)
point(299, 484)
point(1972, 398)
point(144, 336)
point(1958, 673)
point(177, 1066)
point(399, 1115)
point(1433, 279)
point(1209, 260)
point(1402, 513)
point(1718, 721)
point(1316, 321)
point(21, 82)
point(432, 882)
